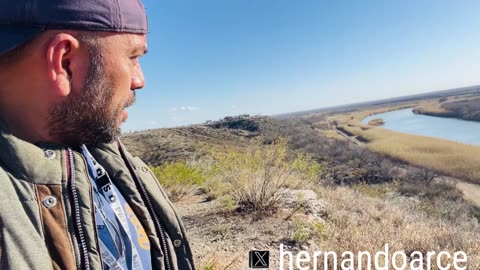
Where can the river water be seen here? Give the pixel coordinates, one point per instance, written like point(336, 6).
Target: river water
point(406, 121)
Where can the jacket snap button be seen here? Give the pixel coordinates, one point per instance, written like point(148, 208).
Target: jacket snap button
point(177, 243)
point(50, 154)
point(145, 169)
point(49, 201)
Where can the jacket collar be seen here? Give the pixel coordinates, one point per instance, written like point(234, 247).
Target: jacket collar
point(40, 163)
point(36, 163)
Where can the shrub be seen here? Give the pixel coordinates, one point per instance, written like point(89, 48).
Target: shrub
point(216, 189)
point(306, 231)
point(179, 178)
point(442, 99)
point(427, 191)
point(256, 179)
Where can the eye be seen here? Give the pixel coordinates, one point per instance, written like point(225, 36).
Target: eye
point(135, 60)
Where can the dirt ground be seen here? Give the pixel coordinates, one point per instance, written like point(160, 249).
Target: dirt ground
point(222, 240)
point(471, 192)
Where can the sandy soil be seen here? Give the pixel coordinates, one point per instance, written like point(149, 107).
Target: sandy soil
point(471, 192)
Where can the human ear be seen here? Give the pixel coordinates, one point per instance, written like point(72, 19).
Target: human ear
point(62, 52)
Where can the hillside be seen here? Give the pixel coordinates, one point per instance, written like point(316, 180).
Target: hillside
point(357, 196)
point(159, 146)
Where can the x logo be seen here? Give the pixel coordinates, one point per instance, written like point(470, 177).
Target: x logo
point(259, 259)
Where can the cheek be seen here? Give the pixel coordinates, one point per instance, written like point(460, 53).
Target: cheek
point(119, 73)
point(121, 78)
point(120, 81)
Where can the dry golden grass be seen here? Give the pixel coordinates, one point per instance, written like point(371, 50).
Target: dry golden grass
point(362, 223)
point(451, 158)
point(357, 222)
point(331, 134)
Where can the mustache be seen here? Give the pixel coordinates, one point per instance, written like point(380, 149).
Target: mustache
point(131, 100)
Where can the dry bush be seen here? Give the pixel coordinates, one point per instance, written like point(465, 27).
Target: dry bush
point(257, 178)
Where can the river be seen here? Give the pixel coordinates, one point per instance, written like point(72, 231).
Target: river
point(406, 121)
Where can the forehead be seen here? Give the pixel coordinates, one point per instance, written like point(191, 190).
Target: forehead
point(125, 41)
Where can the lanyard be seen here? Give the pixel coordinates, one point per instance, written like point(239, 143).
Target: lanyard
point(105, 188)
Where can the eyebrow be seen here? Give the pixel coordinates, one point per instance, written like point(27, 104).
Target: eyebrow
point(140, 49)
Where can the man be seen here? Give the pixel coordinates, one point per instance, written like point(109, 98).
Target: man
point(71, 196)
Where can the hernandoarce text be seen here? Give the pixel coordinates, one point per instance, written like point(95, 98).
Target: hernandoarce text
point(381, 260)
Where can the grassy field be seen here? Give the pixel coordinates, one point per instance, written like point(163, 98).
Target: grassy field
point(450, 158)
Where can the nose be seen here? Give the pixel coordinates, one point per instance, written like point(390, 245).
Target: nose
point(138, 81)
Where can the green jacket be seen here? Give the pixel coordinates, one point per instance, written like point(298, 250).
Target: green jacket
point(46, 210)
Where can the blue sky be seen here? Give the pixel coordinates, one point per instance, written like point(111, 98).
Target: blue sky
point(212, 58)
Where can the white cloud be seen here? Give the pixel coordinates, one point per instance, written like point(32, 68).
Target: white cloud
point(183, 109)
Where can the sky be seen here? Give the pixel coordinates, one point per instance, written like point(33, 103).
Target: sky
point(209, 59)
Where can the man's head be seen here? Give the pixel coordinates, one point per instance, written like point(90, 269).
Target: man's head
point(71, 85)
point(93, 112)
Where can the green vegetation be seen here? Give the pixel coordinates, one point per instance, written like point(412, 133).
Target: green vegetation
point(307, 231)
point(179, 178)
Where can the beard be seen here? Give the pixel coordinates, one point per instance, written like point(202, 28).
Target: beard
point(88, 117)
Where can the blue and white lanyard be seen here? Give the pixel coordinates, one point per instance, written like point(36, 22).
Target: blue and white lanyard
point(105, 185)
